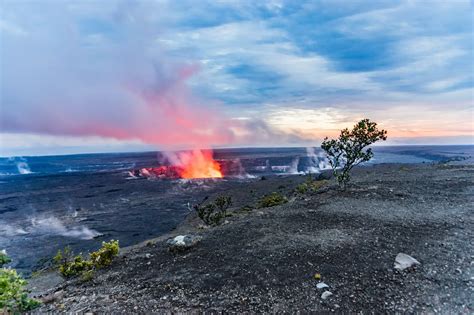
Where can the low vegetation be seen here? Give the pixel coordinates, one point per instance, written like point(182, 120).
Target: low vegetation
point(213, 213)
point(13, 294)
point(310, 186)
point(70, 265)
point(348, 150)
point(271, 200)
point(4, 259)
point(104, 256)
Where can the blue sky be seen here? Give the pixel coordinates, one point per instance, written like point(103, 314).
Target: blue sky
point(81, 76)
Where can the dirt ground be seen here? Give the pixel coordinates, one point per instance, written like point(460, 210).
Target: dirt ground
point(265, 260)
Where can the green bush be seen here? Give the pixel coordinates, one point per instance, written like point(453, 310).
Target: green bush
point(72, 266)
point(214, 213)
point(273, 199)
point(310, 186)
point(87, 275)
point(13, 295)
point(4, 259)
point(104, 256)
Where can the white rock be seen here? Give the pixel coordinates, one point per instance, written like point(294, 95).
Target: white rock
point(179, 240)
point(322, 285)
point(404, 261)
point(182, 242)
point(325, 295)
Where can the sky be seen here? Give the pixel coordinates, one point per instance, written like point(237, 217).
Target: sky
point(105, 76)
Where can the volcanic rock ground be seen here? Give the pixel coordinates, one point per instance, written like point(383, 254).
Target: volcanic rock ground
point(265, 260)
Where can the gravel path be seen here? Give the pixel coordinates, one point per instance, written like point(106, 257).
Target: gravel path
point(266, 260)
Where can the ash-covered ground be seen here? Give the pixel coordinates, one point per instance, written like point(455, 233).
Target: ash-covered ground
point(49, 202)
point(265, 260)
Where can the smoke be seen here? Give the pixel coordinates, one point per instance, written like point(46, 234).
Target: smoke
point(50, 225)
point(63, 75)
point(23, 167)
point(317, 162)
point(18, 163)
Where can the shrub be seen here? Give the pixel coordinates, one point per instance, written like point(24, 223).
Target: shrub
point(72, 266)
point(214, 213)
point(348, 150)
point(104, 256)
point(87, 275)
point(223, 203)
point(273, 199)
point(4, 259)
point(13, 295)
point(310, 186)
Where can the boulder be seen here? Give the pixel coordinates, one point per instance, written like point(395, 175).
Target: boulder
point(182, 242)
point(404, 261)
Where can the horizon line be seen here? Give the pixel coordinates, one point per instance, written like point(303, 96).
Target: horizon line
point(229, 148)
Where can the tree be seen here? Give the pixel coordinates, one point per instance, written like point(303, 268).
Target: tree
point(214, 213)
point(348, 150)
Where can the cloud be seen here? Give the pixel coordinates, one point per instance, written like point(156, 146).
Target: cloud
point(174, 72)
point(59, 79)
point(108, 80)
point(83, 70)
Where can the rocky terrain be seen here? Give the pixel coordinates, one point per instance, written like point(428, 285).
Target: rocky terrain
point(322, 251)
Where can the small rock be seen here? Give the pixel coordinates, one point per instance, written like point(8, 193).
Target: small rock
point(52, 297)
point(322, 285)
point(148, 255)
point(404, 261)
point(325, 295)
point(183, 242)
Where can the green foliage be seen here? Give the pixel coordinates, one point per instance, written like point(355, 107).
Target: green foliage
point(13, 295)
point(87, 275)
point(348, 150)
point(104, 256)
point(310, 185)
point(214, 213)
point(223, 203)
point(273, 199)
point(4, 259)
point(71, 266)
point(76, 266)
